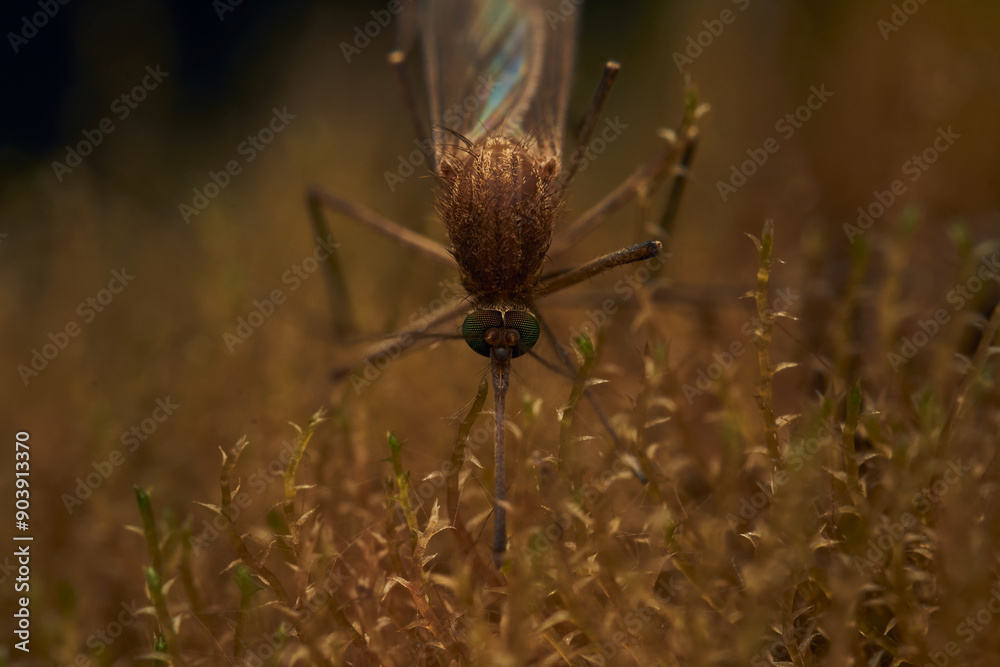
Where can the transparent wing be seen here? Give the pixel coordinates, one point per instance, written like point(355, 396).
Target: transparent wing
point(498, 67)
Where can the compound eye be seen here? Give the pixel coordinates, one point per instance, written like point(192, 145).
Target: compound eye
point(479, 325)
point(525, 326)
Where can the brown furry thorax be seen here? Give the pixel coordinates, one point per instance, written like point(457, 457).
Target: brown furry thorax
point(499, 204)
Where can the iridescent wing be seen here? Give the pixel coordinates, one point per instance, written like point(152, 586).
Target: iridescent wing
point(498, 67)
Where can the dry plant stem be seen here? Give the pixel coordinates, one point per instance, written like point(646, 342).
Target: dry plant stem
point(687, 568)
point(763, 343)
point(559, 646)
point(149, 529)
point(155, 586)
point(226, 512)
point(293, 465)
point(611, 70)
point(419, 582)
point(403, 486)
point(588, 349)
point(154, 578)
point(788, 629)
point(850, 428)
point(248, 587)
point(673, 204)
point(386, 227)
point(975, 370)
point(390, 534)
point(501, 380)
point(635, 253)
point(589, 395)
point(338, 615)
point(897, 262)
point(234, 538)
point(465, 540)
point(652, 377)
point(844, 335)
point(457, 452)
point(640, 179)
point(187, 576)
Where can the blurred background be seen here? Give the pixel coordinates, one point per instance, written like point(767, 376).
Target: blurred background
point(211, 76)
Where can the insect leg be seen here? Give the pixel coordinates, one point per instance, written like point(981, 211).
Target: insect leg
point(643, 181)
point(406, 340)
point(316, 200)
point(564, 279)
point(611, 69)
point(560, 350)
point(397, 61)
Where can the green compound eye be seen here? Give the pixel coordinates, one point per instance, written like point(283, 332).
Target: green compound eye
point(475, 326)
point(524, 324)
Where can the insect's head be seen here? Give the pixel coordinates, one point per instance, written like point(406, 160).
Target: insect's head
point(502, 334)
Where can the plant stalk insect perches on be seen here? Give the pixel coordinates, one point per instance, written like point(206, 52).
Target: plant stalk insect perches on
point(501, 176)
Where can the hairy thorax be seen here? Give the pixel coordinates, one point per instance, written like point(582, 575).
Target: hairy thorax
point(499, 204)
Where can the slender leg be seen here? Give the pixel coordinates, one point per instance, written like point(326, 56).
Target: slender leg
point(340, 300)
point(406, 340)
point(635, 253)
point(425, 246)
point(614, 200)
point(316, 200)
point(397, 61)
point(560, 351)
point(611, 69)
point(644, 179)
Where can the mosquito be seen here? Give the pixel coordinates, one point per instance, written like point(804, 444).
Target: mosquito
point(502, 181)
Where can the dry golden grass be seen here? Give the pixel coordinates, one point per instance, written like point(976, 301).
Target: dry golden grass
point(811, 499)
